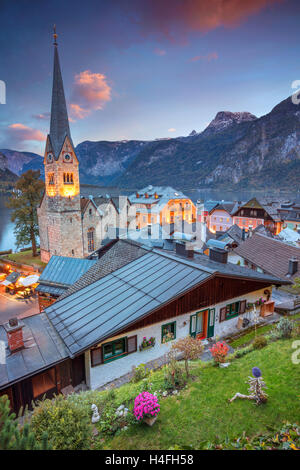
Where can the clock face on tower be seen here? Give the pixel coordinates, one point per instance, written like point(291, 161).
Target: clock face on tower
point(50, 158)
point(67, 158)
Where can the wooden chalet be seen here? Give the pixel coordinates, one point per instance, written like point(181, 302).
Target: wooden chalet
point(97, 326)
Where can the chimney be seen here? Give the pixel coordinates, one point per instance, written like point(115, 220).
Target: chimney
point(218, 254)
point(181, 250)
point(14, 334)
point(243, 234)
point(293, 266)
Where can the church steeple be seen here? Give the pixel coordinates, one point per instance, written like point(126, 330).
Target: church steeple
point(59, 125)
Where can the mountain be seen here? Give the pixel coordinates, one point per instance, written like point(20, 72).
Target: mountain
point(16, 160)
point(225, 119)
point(236, 150)
point(103, 162)
point(6, 176)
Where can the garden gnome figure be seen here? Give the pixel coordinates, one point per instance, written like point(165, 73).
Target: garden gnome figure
point(256, 385)
point(96, 416)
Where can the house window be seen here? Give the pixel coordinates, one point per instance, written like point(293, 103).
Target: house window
point(51, 178)
point(68, 178)
point(90, 238)
point(105, 353)
point(90, 211)
point(168, 332)
point(232, 310)
point(114, 350)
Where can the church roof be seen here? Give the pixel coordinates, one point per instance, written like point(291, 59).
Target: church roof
point(59, 124)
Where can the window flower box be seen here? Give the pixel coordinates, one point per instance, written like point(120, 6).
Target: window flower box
point(147, 343)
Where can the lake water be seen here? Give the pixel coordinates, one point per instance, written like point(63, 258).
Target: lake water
point(7, 238)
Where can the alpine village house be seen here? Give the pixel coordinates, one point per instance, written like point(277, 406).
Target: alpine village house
point(93, 332)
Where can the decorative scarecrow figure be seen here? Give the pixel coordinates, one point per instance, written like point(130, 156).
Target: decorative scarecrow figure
point(256, 385)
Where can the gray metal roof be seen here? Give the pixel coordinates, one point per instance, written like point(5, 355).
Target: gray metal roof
point(59, 124)
point(43, 348)
point(62, 271)
point(107, 306)
point(102, 306)
point(50, 289)
point(117, 254)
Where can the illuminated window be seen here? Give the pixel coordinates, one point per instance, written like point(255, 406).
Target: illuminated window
point(68, 178)
point(51, 178)
point(90, 237)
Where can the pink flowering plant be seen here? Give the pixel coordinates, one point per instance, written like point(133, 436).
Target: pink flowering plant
point(146, 406)
point(147, 343)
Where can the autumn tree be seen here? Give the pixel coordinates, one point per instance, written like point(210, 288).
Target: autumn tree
point(24, 201)
point(190, 348)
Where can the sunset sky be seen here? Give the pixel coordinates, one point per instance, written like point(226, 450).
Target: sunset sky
point(142, 69)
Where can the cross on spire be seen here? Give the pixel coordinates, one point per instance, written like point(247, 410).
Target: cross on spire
point(54, 35)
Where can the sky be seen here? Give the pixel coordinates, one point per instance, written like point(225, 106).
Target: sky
point(143, 69)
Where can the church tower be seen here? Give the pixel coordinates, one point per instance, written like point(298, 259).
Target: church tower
point(59, 214)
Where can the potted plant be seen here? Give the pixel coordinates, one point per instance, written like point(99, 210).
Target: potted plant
point(146, 408)
point(147, 343)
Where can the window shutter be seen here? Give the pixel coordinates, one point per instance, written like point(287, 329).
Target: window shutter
point(96, 356)
point(131, 344)
point(222, 314)
point(242, 306)
point(193, 322)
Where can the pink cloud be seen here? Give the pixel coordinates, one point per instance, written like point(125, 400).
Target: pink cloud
point(173, 19)
point(20, 132)
point(42, 116)
point(90, 92)
point(208, 57)
point(159, 52)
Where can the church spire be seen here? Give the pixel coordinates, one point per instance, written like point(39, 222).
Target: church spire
point(59, 125)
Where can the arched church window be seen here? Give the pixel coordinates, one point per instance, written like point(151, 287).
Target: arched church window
point(68, 178)
point(90, 238)
point(51, 178)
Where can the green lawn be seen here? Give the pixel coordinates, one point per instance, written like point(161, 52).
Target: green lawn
point(202, 412)
point(25, 257)
point(248, 337)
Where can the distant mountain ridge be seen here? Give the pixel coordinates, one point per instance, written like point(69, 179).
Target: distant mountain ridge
point(235, 150)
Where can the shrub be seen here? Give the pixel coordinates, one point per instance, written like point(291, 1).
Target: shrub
point(66, 423)
point(285, 328)
point(14, 437)
point(296, 330)
point(219, 352)
point(260, 342)
point(139, 373)
point(173, 374)
point(146, 406)
point(190, 348)
point(243, 351)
